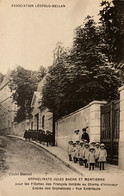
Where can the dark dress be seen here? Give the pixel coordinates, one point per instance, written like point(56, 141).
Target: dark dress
point(85, 137)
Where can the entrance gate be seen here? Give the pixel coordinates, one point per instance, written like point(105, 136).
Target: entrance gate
point(110, 118)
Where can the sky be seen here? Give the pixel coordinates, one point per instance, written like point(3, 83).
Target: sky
point(28, 36)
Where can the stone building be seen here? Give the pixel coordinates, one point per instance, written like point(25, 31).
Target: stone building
point(41, 117)
point(7, 107)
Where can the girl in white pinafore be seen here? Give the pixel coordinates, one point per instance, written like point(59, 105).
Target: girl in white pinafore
point(81, 153)
point(77, 150)
point(97, 149)
point(76, 136)
point(91, 158)
point(70, 149)
point(73, 152)
point(86, 153)
point(102, 156)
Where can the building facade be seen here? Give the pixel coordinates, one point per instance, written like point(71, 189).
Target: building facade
point(7, 107)
point(42, 118)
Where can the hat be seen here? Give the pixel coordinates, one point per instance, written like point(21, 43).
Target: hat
point(97, 144)
point(86, 144)
point(92, 142)
point(76, 130)
point(77, 140)
point(70, 141)
point(84, 129)
point(102, 145)
point(81, 142)
point(92, 148)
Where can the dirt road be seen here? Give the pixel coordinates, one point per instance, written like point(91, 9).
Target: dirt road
point(22, 156)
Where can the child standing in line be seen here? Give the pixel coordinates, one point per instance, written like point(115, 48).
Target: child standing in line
point(92, 144)
point(102, 156)
point(70, 147)
point(77, 150)
point(81, 153)
point(97, 149)
point(85, 141)
point(91, 158)
point(74, 152)
point(86, 153)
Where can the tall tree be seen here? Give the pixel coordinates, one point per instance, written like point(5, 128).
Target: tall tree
point(23, 83)
point(81, 76)
point(41, 72)
point(54, 88)
point(112, 34)
point(93, 74)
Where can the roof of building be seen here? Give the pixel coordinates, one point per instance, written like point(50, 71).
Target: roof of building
point(41, 84)
point(36, 96)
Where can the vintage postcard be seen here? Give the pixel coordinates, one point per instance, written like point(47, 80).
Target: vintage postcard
point(61, 97)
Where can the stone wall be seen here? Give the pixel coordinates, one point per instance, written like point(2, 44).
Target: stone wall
point(86, 116)
point(19, 128)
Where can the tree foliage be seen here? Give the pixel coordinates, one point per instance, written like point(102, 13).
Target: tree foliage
point(23, 83)
point(112, 33)
point(1, 77)
point(82, 74)
point(41, 72)
point(89, 70)
point(56, 82)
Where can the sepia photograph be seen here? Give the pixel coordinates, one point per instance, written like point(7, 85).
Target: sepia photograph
point(61, 97)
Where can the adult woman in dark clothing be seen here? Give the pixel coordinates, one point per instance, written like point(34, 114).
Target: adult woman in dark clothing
point(85, 135)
